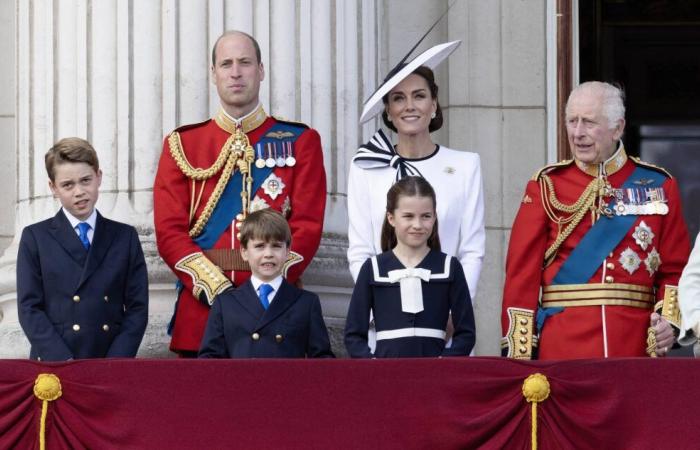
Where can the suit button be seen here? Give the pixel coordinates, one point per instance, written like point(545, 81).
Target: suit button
point(609, 279)
point(610, 266)
point(76, 327)
point(106, 298)
point(279, 338)
point(76, 298)
point(255, 336)
point(105, 327)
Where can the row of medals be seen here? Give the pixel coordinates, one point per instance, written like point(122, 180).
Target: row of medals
point(279, 154)
point(638, 202)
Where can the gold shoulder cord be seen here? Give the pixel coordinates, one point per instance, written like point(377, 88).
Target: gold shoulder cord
point(576, 211)
point(236, 152)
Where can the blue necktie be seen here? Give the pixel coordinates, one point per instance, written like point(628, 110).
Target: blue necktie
point(83, 227)
point(265, 290)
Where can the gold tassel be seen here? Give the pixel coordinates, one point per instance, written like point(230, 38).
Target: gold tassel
point(535, 390)
point(47, 388)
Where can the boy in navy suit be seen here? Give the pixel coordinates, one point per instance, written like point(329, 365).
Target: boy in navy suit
point(266, 317)
point(82, 286)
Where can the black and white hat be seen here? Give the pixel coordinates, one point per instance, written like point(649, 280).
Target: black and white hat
point(430, 58)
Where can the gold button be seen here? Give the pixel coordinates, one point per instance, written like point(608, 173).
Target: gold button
point(610, 266)
point(523, 331)
point(523, 340)
point(670, 307)
point(239, 217)
point(76, 327)
point(523, 321)
point(279, 338)
point(106, 298)
point(609, 279)
point(38, 358)
point(76, 298)
point(238, 236)
point(255, 336)
point(611, 255)
point(522, 350)
point(105, 327)
point(239, 225)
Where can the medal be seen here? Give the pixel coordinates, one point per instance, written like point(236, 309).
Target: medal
point(273, 186)
point(270, 161)
point(279, 160)
point(643, 235)
point(291, 160)
point(259, 161)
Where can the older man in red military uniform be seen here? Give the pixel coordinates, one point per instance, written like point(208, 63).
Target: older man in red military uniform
point(603, 238)
point(212, 174)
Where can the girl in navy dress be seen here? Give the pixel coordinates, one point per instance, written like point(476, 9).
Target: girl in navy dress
point(412, 286)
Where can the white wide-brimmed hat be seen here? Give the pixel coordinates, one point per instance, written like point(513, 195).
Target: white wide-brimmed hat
point(429, 58)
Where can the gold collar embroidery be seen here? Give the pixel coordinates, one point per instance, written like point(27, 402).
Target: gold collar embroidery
point(248, 123)
point(608, 167)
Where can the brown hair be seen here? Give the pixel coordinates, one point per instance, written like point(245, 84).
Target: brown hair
point(435, 123)
point(408, 187)
point(267, 225)
point(70, 150)
point(256, 46)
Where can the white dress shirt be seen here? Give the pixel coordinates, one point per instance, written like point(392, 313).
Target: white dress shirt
point(276, 283)
point(91, 220)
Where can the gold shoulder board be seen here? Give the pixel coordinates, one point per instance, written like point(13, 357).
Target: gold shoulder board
point(550, 167)
point(651, 166)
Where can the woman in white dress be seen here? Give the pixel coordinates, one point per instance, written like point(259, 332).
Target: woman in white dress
point(409, 106)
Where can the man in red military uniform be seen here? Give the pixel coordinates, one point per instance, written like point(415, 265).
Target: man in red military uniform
point(603, 238)
point(212, 174)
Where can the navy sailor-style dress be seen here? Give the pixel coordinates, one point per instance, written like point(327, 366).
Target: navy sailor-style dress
point(411, 307)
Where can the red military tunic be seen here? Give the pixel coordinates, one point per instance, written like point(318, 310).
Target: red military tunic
point(179, 202)
point(628, 280)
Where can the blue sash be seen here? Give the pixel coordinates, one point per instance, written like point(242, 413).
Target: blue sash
point(230, 203)
point(602, 238)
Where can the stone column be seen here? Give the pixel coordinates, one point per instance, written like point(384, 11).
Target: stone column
point(123, 74)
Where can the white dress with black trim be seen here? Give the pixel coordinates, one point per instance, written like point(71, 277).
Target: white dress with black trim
point(456, 178)
point(410, 334)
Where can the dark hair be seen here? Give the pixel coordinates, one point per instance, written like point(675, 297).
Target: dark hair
point(429, 77)
point(256, 46)
point(70, 150)
point(267, 225)
point(408, 187)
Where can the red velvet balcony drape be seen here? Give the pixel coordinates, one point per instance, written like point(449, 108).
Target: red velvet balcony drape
point(449, 403)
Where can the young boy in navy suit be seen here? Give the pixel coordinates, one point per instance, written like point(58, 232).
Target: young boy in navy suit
point(266, 317)
point(82, 286)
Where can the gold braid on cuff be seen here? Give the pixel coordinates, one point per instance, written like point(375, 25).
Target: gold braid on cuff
point(520, 338)
point(206, 277)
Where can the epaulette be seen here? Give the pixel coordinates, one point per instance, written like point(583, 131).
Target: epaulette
point(291, 122)
point(191, 126)
point(550, 167)
point(651, 166)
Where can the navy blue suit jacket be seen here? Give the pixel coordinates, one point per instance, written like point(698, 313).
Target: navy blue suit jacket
point(74, 303)
point(292, 326)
